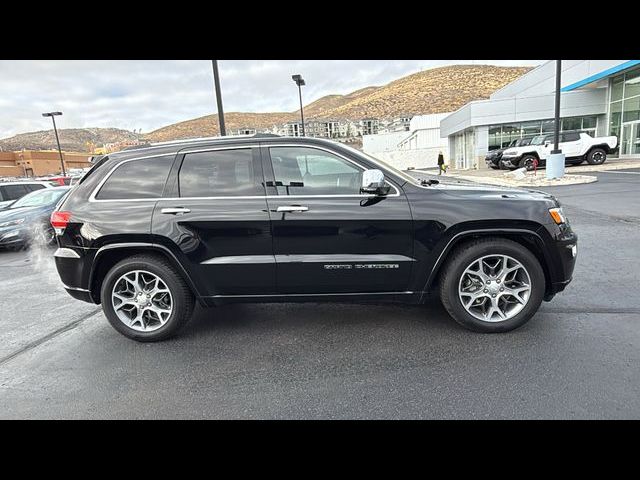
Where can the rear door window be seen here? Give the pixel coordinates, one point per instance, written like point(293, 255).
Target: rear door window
point(220, 173)
point(136, 179)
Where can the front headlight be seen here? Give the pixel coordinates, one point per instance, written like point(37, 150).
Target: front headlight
point(558, 215)
point(12, 223)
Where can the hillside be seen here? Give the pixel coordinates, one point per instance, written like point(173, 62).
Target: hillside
point(71, 139)
point(437, 90)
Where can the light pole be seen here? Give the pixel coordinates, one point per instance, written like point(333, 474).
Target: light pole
point(53, 117)
point(216, 81)
point(300, 82)
point(555, 162)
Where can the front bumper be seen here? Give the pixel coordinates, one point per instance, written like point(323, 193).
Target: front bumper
point(510, 162)
point(563, 261)
point(11, 236)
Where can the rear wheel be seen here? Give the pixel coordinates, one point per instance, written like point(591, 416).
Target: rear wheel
point(597, 156)
point(146, 299)
point(492, 285)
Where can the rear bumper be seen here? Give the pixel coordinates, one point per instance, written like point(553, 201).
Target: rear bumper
point(72, 265)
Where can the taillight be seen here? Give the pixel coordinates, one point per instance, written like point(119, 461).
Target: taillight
point(59, 220)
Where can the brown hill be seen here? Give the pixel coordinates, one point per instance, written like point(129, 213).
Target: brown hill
point(437, 90)
point(71, 139)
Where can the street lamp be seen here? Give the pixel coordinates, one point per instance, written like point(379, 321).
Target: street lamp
point(53, 117)
point(300, 82)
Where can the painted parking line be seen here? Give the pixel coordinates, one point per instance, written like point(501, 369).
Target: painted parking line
point(625, 173)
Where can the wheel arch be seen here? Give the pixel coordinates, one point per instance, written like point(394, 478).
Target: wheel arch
point(107, 256)
point(603, 146)
point(529, 239)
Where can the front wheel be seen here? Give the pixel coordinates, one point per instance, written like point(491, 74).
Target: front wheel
point(529, 162)
point(492, 285)
point(146, 299)
point(597, 156)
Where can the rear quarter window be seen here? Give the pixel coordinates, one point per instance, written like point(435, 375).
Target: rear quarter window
point(136, 179)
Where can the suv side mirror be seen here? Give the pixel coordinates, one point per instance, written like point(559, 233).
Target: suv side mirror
point(373, 183)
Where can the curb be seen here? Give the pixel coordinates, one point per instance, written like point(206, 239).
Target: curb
point(532, 181)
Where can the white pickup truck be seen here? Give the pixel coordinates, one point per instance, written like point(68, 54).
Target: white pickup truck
point(577, 147)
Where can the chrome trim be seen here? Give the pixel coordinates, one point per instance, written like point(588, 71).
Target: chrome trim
point(292, 209)
point(77, 289)
point(175, 210)
point(239, 260)
point(92, 197)
point(65, 253)
point(312, 295)
point(342, 258)
point(327, 258)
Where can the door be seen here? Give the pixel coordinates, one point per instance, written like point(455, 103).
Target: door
point(630, 144)
point(571, 145)
point(216, 214)
point(327, 237)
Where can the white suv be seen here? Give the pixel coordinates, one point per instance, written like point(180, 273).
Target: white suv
point(12, 191)
point(577, 147)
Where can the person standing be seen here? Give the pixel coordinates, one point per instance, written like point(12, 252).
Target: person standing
point(441, 167)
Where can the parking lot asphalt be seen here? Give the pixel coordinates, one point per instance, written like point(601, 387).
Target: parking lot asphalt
point(577, 358)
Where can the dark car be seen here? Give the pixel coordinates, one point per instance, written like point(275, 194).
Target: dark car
point(494, 157)
point(149, 232)
point(27, 219)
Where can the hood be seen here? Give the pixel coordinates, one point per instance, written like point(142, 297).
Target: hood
point(493, 192)
point(22, 212)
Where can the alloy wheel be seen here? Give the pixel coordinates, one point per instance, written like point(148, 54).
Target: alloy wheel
point(142, 300)
point(494, 288)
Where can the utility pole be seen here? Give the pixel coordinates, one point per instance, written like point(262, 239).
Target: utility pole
point(216, 81)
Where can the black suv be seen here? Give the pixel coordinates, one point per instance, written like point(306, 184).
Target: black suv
point(148, 232)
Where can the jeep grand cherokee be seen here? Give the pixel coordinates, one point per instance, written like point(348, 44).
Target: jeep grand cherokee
point(150, 231)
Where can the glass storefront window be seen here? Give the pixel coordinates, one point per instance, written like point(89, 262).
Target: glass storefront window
point(632, 84)
point(617, 85)
point(531, 128)
point(589, 122)
point(574, 123)
point(631, 109)
point(547, 126)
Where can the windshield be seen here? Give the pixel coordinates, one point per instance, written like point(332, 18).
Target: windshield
point(383, 164)
point(538, 140)
point(39, 198)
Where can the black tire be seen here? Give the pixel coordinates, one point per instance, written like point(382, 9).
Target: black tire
point(528, 161)
point(183, 301)
point(463, 256)
point(597, 156)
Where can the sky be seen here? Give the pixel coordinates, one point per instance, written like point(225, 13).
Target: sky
point(150, 94)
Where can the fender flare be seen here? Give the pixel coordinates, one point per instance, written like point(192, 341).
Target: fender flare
point(460, 236)
point(151, 247)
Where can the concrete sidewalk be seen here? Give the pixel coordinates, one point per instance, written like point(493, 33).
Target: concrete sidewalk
point(538, 179)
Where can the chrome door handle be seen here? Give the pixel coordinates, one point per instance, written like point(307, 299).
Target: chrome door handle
point(292, 209)
point(175, 211)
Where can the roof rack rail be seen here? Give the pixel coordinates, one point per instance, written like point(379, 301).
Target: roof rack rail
point(200, 139)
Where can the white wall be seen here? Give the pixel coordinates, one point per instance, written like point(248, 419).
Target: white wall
point(405, 159)
point(383, 141)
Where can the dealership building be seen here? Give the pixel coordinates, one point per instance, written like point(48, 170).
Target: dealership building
point(600, 97)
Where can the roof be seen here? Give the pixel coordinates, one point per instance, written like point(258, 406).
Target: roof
point(177, 145)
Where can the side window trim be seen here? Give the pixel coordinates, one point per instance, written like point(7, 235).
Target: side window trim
point(267, 161)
